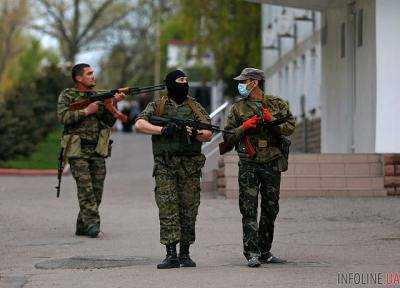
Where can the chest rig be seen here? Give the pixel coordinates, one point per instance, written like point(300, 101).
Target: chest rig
point(177, 145)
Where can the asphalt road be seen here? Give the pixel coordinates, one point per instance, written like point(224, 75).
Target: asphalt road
point(322, 238)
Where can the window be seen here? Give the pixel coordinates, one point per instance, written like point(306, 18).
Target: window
point(324, 30)
point(360, 27)
point(343, 40)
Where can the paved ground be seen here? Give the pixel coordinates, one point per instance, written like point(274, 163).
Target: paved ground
point(319, 237)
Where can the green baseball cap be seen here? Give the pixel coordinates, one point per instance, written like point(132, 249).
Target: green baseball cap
point(250, 73)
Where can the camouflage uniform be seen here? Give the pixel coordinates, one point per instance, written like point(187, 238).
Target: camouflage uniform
point(261, 174)
point(87, 142)
point(177, 172)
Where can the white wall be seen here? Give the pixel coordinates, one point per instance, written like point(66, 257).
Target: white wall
point(336, 89)
point(348, 84)
point(388, 76)
point(365, 100)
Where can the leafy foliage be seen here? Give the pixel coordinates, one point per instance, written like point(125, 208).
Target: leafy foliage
point(230, 29)
point(44, 157)
point(28, 113)
point(130, 61)
point(14, 15)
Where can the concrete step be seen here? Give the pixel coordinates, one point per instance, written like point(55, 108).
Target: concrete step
point(208, 181)
point(323, 169)
point(288, 193)
point(321, 183)
point(328, 166)
point(318, 175)
point(335, 169)
point(285, 193)
point(332, 182)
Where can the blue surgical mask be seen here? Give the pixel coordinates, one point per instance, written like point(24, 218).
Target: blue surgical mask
point(243, 90)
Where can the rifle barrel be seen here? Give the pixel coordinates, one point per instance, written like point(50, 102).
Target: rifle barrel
point(187, 122)
point(147, 89)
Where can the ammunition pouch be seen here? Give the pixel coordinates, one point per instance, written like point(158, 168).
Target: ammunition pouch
point(78, 146)
point(74, 145)
point(103, 144)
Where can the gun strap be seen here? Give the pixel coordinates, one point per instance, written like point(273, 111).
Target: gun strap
point(160, 109)
point(160, 106)
point(64, 157)
point(200, 116)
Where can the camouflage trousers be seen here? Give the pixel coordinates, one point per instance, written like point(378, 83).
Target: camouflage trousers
point(89, 175)
point(177, 194)
point(254, 179)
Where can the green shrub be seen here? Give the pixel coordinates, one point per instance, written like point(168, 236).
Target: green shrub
point(29, 112)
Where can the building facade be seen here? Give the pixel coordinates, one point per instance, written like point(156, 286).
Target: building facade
point(358, 95)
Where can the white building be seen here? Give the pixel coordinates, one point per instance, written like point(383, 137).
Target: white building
point(359, 71)
point(291, 54)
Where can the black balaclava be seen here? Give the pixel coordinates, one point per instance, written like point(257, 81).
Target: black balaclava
point(176, 91)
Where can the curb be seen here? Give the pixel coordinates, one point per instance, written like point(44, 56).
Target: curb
point(32, 172)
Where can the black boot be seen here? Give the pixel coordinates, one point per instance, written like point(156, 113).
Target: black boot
point(93, 231)
point(184, 257)
point(268, 257)
point(80, 229)
point(171, 260)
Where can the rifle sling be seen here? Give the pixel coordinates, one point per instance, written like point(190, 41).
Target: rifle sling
point(64, 157)
point(160, 109)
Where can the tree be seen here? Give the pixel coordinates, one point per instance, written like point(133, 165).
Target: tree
point(230, 29)
point(130, 60)
point(13, 17)
point(78, 25)
point(28, 112)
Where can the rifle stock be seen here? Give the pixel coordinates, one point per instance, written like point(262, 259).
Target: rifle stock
point(249, 147)
point(224, 147)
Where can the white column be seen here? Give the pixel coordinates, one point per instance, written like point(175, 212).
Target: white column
point(388, 76)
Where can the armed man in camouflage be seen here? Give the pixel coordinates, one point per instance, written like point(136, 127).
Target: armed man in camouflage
point(259, 173)
point(177, 167)
point(86, 145)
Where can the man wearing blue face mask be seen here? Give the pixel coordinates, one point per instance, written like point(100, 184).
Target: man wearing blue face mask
point(260, 124)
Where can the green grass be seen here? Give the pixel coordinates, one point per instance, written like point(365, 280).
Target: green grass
point(45, 156)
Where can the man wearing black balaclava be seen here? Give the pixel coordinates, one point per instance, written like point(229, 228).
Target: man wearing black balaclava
point(177, 167)
point(177, 86)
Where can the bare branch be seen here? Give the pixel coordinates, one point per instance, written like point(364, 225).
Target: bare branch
point(59, 19)
point(96, 15)
point(97, 32)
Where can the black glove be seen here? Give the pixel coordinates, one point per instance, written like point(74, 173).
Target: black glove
point(169, 130)
point(195, 132)
point(192, 133)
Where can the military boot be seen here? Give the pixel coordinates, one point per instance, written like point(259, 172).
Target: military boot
point(80, 230)
point(171, 260)
point(253, 262)
point(268, 257)
point(93, 231)
point(184, 257)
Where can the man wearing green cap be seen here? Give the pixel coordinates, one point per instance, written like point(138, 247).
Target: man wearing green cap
point(262, 152)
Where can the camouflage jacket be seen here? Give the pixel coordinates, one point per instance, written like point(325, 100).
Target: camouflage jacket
point(266, 142)
point(178, 144)
point(85, 136)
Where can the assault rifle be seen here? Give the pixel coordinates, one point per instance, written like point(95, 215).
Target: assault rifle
point(60, 170)
point(224, 147)
point(182, 123)
point(106, 97)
